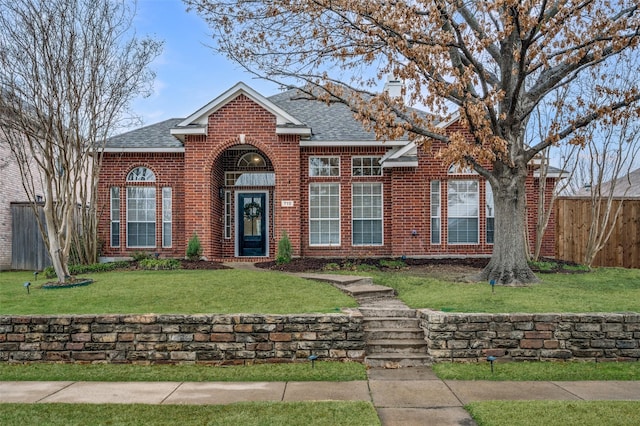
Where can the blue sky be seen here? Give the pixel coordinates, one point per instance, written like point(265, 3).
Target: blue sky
point(188, 73)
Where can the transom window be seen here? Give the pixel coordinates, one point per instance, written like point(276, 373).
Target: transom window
point(324, 166)
point(462, 204)
point(141, 174)
point(457, 169)
point(252, 159)
point(367, 214)
point(324, 214)
point(366, 166)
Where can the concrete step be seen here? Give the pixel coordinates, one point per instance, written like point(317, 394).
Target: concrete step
point(368, 291)
point(407, 346)
point(369, 312)
point(394, 333)
point(398, 360)
point(374, 323)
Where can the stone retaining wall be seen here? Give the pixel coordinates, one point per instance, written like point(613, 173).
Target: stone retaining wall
point(471, 337)
point(216, 339)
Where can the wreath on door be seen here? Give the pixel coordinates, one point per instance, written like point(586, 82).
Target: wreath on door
point(252, 210)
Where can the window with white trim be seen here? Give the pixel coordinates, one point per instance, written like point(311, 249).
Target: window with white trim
point(366, 166)
point(491, 214)
point(462, 207)
point(141, 209)
point(115, 216)
point(324, 214)
point(367, 214)
point(436, 210)
point(324, 166)
point(167, 217)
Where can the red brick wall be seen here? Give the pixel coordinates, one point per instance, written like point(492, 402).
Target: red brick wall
point(169, 170)
point(198, 175)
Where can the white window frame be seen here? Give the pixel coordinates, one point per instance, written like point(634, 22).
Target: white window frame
point(375, 166)
point(129, 210)
point(313, 219)
point(114, 194)
point(372, 208)
point(167, 217)
point(435, 205)
point(477, 208)
point(324, 170)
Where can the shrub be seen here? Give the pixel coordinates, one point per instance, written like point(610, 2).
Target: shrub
point(50, 273)
point(194, 249)
point(159, 264)
point(285, 251)
point(331, 267)
point(392, 264)
point(140, 255)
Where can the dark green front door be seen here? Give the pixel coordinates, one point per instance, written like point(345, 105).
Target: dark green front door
point(252, 238)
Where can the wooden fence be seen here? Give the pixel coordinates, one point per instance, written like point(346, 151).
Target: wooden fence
point(28, 250)
point(572, 232)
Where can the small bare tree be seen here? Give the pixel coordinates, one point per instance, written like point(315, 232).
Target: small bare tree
point(68, 72)
point(598, 167)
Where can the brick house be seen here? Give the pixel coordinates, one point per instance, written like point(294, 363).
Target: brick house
point(244, 168)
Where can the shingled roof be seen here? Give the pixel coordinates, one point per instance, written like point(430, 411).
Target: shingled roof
point(156, 136)
point(328, 123)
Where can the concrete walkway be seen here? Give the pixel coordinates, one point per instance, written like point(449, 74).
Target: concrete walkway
point(406, 396)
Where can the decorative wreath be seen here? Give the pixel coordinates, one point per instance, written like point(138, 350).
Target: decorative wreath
point(252, 210)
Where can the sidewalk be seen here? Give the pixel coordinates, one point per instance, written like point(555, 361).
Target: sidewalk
point(408, 396)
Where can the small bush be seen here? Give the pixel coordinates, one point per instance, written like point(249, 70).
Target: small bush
point(285, 251)
point(543, 266)
point(392, 264)
point(140, 255)
point(331, 267)
point(50, 273)
point(159, 264)
point(194, 248)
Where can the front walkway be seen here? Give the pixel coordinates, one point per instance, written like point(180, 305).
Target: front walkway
point(406, 396)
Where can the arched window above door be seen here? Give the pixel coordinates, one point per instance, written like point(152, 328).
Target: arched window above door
point(252, 159)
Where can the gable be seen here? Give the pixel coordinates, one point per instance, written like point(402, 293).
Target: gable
point(196, 123)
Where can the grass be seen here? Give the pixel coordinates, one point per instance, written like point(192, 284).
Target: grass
point(532, 371)
point(246, 414)
point(182, 291)
point(295, 372)
point(546, 413)
point(603, 290)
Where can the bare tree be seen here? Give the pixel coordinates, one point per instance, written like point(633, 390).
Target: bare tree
point(68, 72)
point(495, 61)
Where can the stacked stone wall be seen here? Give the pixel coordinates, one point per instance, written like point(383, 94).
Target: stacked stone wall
point(589, 337)
point(215, 339)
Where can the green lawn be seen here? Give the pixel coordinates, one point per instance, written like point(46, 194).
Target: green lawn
point(246, 414)
point(549, 371)
point(291, 372)
point(550, 413)
point(177, 291)
point(604, 290)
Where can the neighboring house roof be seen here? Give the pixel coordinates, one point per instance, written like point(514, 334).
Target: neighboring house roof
point(155, 137)
point(627, 186)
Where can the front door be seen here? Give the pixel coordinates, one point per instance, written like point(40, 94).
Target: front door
point(252, 213)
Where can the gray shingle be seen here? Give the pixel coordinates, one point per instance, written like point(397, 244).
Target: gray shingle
point(156, 135)
point(328, 122)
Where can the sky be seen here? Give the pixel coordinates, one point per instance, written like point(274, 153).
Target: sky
point(189, 74)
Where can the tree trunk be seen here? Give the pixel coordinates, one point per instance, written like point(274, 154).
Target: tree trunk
point(509, 262)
